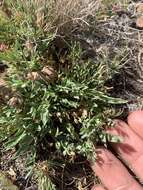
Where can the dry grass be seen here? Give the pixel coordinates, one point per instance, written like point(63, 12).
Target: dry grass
point(65, 15)
point(59, 15)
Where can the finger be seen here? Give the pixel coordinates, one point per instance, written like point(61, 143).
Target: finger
point(98, 188)
point(112, 173)
point(131, 149)
point(135, 121)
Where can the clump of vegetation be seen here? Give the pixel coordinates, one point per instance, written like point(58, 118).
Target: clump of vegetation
point(59, 103)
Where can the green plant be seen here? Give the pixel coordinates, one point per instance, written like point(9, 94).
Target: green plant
point(59, 102)
point(42, 173)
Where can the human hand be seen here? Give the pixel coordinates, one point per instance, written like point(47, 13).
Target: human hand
point(112, 172)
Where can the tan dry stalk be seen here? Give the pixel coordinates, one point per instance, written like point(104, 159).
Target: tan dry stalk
point(62, 14)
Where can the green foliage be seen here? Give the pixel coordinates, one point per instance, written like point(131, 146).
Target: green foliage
point(42, 172)
point(70, 112)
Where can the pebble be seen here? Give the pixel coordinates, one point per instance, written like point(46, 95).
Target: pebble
point(139, 8)
point(139, 22)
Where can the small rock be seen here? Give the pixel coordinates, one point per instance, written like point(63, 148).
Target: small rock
point(139, 8)
point(139, 22)
point(6, 183)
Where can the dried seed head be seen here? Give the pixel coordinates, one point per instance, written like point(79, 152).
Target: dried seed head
point(33, 76)
point(5, 91)
point(5, 8)
point(29, 45)
point(2, 83)
point(15, 101)
point(40, 18)
point(3, 47)
point(18, 16)
point(49, 73)
point(43, 166)
point(82, 112)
